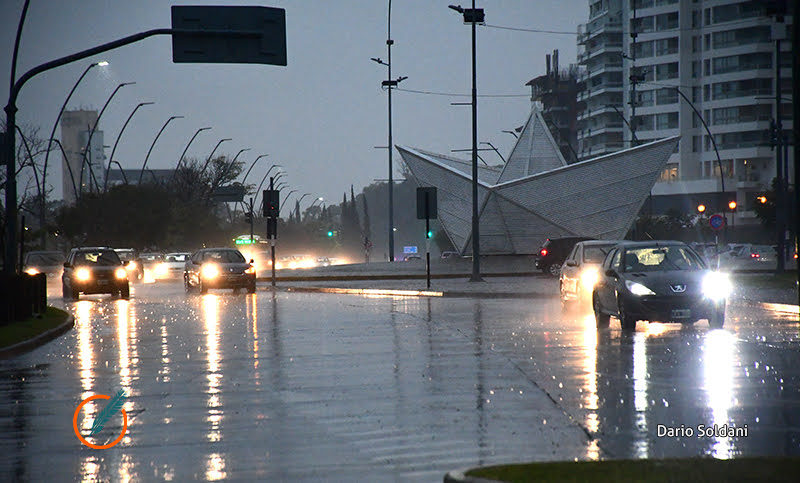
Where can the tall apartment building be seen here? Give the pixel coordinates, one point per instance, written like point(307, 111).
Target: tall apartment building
point(81, 170)
point(720, 55)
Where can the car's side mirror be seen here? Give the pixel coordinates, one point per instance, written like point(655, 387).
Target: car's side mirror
point(66, 265)
point(252, 261)
point(612, 273)
point(572, 263)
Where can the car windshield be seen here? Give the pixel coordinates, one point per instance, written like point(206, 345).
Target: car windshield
point(179, 257)
point(44, 259)
point(101, 257)
point(224, 256)
point(125, 255)
point(595, 253)
point(660, 259)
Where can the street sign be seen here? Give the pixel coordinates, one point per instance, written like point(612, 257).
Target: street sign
point(231, 35)
point(228, 194)
point(716, 221)
point(426, 203)
point(408, 250)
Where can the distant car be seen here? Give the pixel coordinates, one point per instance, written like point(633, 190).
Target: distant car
point(94, 270)
point(323, 261)
point(451, 255)
point(50, 263)
point(663, 281)
point(749, 256)
point(218, 268)
point(412, 257)
point(172, 266)
point(553, 252)
point(581, 270)
point(133, 265)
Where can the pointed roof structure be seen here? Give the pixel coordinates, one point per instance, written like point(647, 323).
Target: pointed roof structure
point(537, 195)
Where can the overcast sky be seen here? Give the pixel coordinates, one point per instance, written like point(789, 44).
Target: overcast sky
point(322, 114)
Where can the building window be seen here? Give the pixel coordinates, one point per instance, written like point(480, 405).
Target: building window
point(667, 96)
point(696, 143)
point(707, 39)
point(666, 46)
point(645, 98)
point(707, 67)
point(739, 63)
point(667, 120)
point(667, 21)
point(695, 19)
point(711, 168)
point(696, 44)
point(667, 71)
point(644, 123)
point(695, 69)
point(669, 173)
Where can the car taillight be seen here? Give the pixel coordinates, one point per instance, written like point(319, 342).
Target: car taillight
point(543, 252)
point(755, 255)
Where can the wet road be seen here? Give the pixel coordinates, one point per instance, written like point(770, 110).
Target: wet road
point(293, 386)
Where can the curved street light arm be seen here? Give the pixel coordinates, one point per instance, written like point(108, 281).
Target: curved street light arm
point(177, 167)
point(284, 201)
point(33, 165)
point(633, 133)
point(258, 190)
point(141, 173)
point(227, 168)
point(114, 149)
point(122, 171)
point(208, 160)
point(69, 168)
point(252, 165)
point(87, 149)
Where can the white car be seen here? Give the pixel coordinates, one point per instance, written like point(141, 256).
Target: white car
point(748, 256)
point(581, 270)
point(172, 266)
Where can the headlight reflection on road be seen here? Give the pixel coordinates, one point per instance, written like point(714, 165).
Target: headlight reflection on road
point(718, 362)
point(590, 398)
point(640, 392)
point(211, 315)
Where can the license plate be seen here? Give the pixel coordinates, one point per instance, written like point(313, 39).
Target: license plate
point(681, 313)
point(102, 282)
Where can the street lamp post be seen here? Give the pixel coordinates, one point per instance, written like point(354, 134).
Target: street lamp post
point(87, 150)
point(494, 149)
point(52, 135)
point(298, 204)
point(227, 168)
point(208, 160)
point(153, 145)
point(511, 132)
point(252, 165)
point(177, 166)
point(721, 201)
point(114, 149)
point(389, 84)
point(474, 16)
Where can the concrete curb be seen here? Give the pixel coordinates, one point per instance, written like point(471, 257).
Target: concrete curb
point(413, 293)
point(460, 476)
point(400, 276)
point(38, 341)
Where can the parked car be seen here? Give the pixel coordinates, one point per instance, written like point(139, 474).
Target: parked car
point(94, 270)
point(409, 258)
point(664, 281)
point(581, 270)
point(218, 268)
point(133, 265)
point(50, 263)
point(172, 266)
point(553, 252)
point(451, 255)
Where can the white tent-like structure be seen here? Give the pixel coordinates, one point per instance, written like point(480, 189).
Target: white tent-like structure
point(537, 195)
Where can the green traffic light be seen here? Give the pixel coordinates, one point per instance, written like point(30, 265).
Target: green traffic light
point(330, 233)
point(430, 234)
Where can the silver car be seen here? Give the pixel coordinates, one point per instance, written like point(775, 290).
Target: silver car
point(581, 269)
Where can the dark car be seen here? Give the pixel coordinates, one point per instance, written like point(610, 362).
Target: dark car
point(50, 263)
point(94, 270)
point(664, 281)
point(553, 252)
point(219, 268)
point(581, 270)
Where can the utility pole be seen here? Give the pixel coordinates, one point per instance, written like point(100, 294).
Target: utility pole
point(634, 77)
point(779, 33)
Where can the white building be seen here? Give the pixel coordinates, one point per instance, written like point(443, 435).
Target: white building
point(721, 55)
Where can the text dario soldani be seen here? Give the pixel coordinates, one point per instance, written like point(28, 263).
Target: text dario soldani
point(701, 431)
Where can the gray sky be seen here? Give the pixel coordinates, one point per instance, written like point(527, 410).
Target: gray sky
point(320, 116)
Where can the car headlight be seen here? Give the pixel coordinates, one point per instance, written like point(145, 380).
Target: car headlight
point(31, 271)
point(209, 271)
point(589, 278)
point(716, 286)
point(161, 269)
point(637, 288)
point(83, 274)
point(121, 274)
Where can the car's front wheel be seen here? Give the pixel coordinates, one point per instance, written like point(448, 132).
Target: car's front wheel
point(554, 269)
point(602, 320)
point(251, 287)
point(625, 320)
point(203, 288)
point(64, 292)
point(125, 291)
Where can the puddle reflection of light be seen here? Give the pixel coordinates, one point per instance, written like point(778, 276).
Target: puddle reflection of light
point(83, 322)
point(253, 299)
point(590, 382)
point(215, 467)
point(640, 392)
point(718, 355)
point(90, 470)
point(211, 314)
point(122, 337)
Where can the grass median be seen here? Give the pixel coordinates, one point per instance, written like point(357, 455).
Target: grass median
point(17, 332)
point(772, 469)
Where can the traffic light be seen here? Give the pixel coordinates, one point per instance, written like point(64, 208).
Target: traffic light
point(271, 203)
point(762, 199)
point(701, 208)
point(732, 205)
point(248, 217)
point(330, 233)
point(430, 234)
